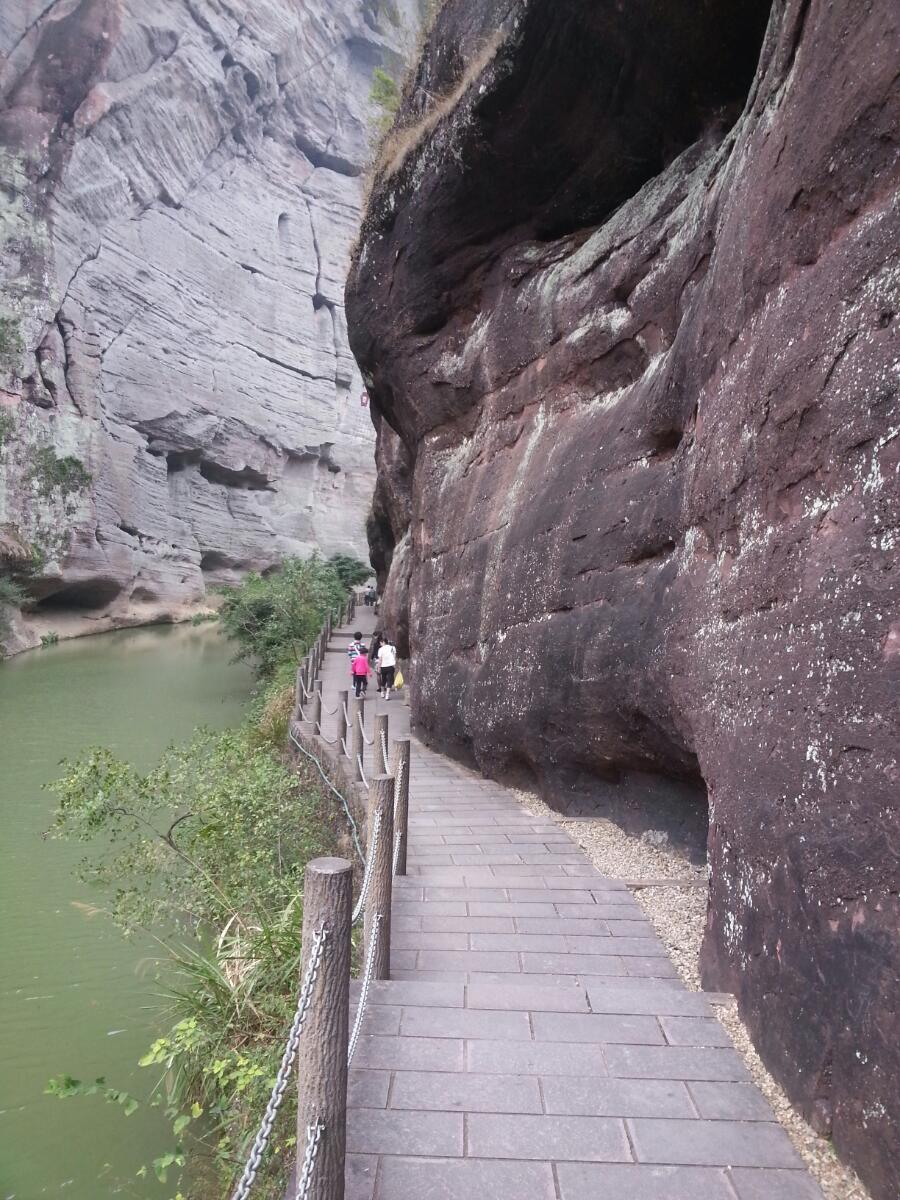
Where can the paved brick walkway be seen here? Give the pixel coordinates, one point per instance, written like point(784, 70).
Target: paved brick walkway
point(534, 1042)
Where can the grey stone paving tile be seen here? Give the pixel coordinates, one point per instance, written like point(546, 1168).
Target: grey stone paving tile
point(730, 1101)
point(593, 1181)
point(560, 925)
point(428, 839)
point(694, 1031)
point(469, 924)
point(359, 1177)
point(753, 1183)
point(632, 947)
point(487, 858)
point(368, 1089)
point(580, 1027)
point(712, 1143)
point(464, 894)
point(535, 895)
point(510, 908)
point(650, 967)
point(655, 997)
point(466, 1092)
point(617, 1097)
point(403, 960)
point(420, 940)
point(528, 870)
point(405, 924)
point(520, 980)
point(426, 858)
point(467, 960)
point(533, 997)
point(585, 868)
point(565, 964)
point(535, 1058)
point(464, 1179)
point(380, 1019)
point(613, 910)
point(399, 1131)
point(392, 991)
point(560, 837)
point(476, 839)
point(518, 941)
point(569, 858)
point(627, 928)
point(430, 908)
point(466, 1023)
point(675, 1062)
point(429, 976)
point(594, 1139)
point(409, 1054)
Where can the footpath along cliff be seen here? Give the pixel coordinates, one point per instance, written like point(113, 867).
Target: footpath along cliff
point(626, 301)
point(179, 186)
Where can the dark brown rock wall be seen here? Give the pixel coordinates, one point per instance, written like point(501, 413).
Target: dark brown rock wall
point(629, 311)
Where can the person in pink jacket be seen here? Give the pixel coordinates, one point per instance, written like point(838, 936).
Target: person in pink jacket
point(360, 670)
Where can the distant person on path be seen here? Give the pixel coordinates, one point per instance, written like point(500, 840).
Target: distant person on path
point(360, 671)
point(355, 648)
point(387, 665)
point(374, 647)
point(370, 596)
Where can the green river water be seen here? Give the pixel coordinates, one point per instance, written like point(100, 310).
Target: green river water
point(75, 997)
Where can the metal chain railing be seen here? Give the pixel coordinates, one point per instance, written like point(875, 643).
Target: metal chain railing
point(354, 830)
point(397, 782)
point(261, 1140)
point(362, 730)
point(367, 873)
point(304, 1181)
point(398, 842)
point(364, 990)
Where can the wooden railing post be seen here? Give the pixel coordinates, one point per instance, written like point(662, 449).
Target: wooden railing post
point(316, 714)
point(381, 743)
point(298, 692)
point(322, 1051)
point(378, 902)
point(342, 730)
point(357, 742)
point(401, 799)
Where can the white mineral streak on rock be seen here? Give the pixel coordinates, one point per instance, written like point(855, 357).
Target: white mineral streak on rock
point(181, 307)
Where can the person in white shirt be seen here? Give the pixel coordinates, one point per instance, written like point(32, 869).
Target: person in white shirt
point(387, 665)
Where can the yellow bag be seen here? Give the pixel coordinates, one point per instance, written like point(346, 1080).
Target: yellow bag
point(398, 678)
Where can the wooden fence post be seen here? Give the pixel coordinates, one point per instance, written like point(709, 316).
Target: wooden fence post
point(378, 902)
point(298, 692)
point(401, 800)
point(357, 742)
point(322, 1051)
point(342, 731)
point(380, 747)
point(316, 714)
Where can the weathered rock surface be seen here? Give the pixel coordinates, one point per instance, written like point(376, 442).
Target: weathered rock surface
point(179, 186)
point(627, 302)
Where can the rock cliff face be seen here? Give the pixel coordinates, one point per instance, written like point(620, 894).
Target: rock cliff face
point(626, 299)
point(179, 186)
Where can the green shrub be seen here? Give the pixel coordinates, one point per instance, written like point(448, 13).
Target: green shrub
point(274, 618)
point(207, 851)
point(49, 639)
point(12, 595)
point(68, 474)
point(11, 344)
point(7, 426)
point(350, 571)
point(386, 95)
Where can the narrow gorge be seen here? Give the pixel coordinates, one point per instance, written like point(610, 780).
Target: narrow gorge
point(179, 186)
point(625, 300)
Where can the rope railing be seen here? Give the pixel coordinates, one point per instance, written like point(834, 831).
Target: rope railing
point(364, 989)
point(367, 872)
point(362, 730)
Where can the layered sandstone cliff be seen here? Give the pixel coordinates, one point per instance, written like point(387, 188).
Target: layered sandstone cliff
point(626, 299)
point(179, 186)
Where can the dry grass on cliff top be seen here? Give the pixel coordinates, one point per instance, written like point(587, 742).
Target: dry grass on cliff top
point(678, 914)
